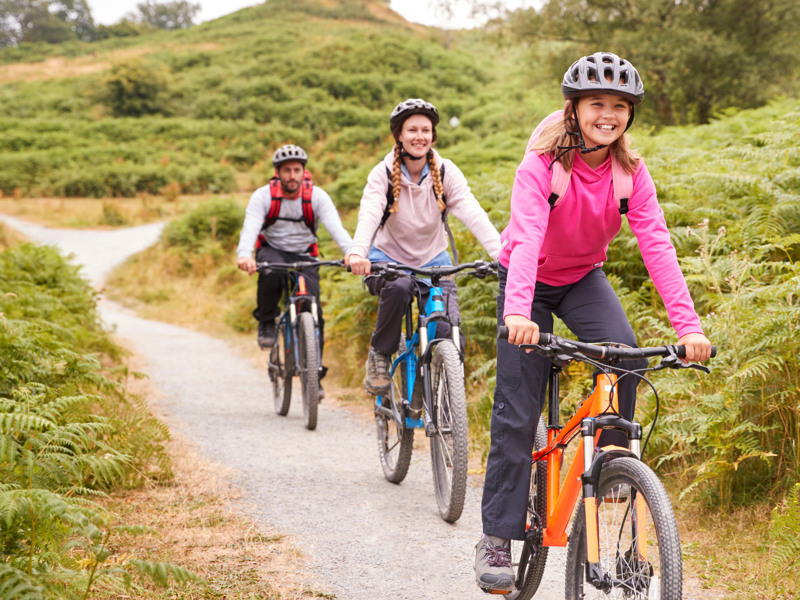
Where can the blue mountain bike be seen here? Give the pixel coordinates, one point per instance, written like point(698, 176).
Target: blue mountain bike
point(428, 389)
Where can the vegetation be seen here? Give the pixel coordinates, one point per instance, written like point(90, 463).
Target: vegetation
point(226, 93)
point(69, 432)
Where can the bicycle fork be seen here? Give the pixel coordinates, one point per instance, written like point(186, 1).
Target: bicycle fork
point(593, 463)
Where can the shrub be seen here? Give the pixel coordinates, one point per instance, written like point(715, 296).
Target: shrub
point(135, 88)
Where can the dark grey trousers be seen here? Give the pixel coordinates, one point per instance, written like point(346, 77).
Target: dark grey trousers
point(593, 312)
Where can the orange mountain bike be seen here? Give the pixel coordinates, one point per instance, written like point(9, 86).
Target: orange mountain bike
point(624, 539)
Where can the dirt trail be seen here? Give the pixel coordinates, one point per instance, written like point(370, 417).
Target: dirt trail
point(366, 538)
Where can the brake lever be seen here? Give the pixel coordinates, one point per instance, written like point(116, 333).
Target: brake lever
point(673, 362)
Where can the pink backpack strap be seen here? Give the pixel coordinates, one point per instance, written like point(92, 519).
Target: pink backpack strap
point(623, 185)
point(559, 182)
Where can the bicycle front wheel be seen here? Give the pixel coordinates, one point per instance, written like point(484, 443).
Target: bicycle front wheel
point(640, 553)
point(281, 368)
point(529, 557)
point(449, 444)
point(395, 441)
point(309, 368)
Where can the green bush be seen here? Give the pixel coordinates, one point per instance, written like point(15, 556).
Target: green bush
point(135, 88)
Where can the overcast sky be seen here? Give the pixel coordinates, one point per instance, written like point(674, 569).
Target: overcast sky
point(107, 12)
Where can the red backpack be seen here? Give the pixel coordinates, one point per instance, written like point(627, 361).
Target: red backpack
point(559, 181)
point(276, 194)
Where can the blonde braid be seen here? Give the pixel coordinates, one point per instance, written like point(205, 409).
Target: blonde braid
point(437, 181)
point(396, 179)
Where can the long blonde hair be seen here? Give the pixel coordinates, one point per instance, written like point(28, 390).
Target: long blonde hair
point(438, 189)
point(555, 134)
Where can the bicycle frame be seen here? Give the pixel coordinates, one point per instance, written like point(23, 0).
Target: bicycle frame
point(294, 295)
point(584, 470)
point(419, 351)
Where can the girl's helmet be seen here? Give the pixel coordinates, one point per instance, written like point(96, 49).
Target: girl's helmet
point(288, 153)
point(603, 72)
point(413, 106)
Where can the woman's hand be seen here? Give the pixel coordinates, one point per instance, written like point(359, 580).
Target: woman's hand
point(357, 264)
point(698, 348)
point(521, 330)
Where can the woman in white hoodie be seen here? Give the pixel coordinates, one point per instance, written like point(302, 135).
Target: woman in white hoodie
point(401, 220)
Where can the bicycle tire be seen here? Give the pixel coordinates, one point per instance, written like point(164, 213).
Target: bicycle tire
point(659, 576)
point(309, 368)
point(395, 440)
point(529, 557)
point(280, 372)
point(450, 443)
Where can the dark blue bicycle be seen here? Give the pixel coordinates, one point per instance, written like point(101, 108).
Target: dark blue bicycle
point(428, 389)
point(298, 348)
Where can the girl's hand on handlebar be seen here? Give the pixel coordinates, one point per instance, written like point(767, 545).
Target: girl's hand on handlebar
point(521, 330)
point(357, 264)
point(698, 348)
point(248, 265)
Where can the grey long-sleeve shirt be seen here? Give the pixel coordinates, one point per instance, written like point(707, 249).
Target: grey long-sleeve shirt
point(288, 235)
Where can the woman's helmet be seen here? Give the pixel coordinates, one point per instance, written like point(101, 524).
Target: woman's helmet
point(413, 106)
point(288, 153)
point(603, 72)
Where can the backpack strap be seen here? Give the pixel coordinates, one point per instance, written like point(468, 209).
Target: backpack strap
point(276, 195)
point(307, 187)
point(559, 182)
point(623, 185)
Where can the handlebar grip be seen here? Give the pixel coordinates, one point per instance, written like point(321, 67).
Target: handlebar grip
point(502, 334)
point(681, 351)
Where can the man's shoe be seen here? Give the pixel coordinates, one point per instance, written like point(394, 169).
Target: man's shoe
point(493, 570)
point(377, 380)
point(267, 334)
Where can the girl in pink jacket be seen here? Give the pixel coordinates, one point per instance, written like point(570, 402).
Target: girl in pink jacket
point(406, 226)
point(551, 264)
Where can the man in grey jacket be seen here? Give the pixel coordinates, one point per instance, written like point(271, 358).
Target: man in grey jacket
point(280, 226)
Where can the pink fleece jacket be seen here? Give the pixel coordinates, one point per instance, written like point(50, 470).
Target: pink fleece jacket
point(559, 247)
point(414, 235)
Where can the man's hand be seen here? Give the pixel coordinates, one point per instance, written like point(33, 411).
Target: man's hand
point(357, 264)
point(247, 265)
point(521, 330)
point(698, 348)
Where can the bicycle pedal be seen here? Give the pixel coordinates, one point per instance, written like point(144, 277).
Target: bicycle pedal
point(496, 592)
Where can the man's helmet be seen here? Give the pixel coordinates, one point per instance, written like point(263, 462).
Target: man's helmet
point(603, 72)
point(413, 106)
point(288, 153)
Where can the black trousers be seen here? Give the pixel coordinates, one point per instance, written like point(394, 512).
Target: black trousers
point(394, 297)
point(271, 286)
point(593, 312)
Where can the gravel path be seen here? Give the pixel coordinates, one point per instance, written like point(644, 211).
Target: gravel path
point(367, 538)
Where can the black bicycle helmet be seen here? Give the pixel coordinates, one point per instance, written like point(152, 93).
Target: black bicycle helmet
point(413, 106)
point(603, 72)
point(288, 153)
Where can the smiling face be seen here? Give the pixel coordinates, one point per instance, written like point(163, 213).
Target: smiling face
point(602, 118)
point(416, 136)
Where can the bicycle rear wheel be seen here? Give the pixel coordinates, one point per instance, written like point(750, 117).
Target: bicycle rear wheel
point(640, 553)
point(309, 368)
point(395, 441)
point(529, 557)
point(449, 444)
point(281, 368)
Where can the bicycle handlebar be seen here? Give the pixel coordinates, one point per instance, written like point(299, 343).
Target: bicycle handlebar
point(300, 265)
point(549, 342)
point(394, 270)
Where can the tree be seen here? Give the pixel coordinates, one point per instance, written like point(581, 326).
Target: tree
point(696, 57)
point(178, 14)
point(51, 21)
point(135, 88)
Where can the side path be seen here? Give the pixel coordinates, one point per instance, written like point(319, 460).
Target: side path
point(366, 538)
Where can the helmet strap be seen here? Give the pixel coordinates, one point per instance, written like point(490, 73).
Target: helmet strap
point(581, 145)
point(404, 154)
